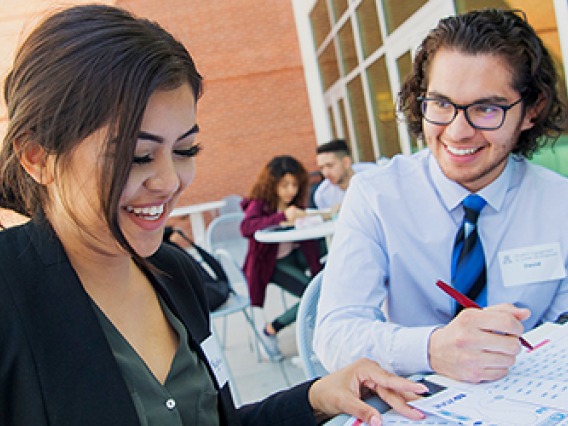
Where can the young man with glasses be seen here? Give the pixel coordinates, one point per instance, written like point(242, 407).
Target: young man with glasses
point(482, 95)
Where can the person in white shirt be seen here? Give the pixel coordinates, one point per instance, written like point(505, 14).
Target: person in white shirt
point(482, 95)
point(336, 165)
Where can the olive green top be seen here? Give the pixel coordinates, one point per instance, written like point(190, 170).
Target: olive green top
point(188, 396)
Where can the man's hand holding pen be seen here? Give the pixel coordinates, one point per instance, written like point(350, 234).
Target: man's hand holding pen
point(478, 344)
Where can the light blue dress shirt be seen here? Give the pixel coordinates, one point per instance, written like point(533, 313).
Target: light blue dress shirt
point(328, 195)
point(394, 240)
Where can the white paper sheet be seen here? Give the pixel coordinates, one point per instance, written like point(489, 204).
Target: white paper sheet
point(535, 391)
point(393, 418)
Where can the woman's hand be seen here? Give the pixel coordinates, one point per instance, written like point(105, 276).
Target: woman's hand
point(341, 392)
point(292, 213)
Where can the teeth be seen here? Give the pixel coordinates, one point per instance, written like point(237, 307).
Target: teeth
point(457, 151)
point(149, 213)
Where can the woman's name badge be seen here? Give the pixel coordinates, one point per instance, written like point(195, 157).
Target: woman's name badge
point(532, 264)
point(214, 355)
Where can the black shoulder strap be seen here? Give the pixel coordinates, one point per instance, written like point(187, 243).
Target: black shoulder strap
point(212, 262)
point(207, 258)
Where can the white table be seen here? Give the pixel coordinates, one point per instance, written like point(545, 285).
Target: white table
point(195, 213)
point(312, 232)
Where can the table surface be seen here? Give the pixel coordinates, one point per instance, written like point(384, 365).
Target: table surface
point(198, 208)
point(294, 234)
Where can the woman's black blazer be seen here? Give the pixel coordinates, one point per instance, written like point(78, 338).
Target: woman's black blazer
point(56, 367)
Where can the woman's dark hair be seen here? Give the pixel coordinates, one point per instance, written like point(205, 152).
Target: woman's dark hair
point(9, 201)
point(265, 187)
point(83, 69)
point(503, 34)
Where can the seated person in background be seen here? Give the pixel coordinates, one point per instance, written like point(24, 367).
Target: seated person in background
point(483, 96)
point(336, 165)
point(101, 323)
point(277, 197)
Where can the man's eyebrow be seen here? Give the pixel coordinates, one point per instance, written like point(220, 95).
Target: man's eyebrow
point(155, 138)
point(486, 100)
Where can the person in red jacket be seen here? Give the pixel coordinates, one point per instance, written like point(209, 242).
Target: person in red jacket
point(278, 198)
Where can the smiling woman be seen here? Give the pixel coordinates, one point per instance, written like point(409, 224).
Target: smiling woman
point(100, 323)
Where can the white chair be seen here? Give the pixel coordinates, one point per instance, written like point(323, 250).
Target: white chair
point(227, 247)
point(305, 323)
point(224, 233)
point(232, 204)
point(225, 241)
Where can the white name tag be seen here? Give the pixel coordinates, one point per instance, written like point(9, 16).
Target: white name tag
point(531, 264)
point(213, 353)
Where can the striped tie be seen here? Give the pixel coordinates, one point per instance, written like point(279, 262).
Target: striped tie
point(468, 260)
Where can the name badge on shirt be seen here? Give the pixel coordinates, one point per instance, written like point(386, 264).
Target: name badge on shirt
point(532, 264)
point(213, 353)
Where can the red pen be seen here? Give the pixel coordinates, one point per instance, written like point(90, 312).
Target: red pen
point(466, 302)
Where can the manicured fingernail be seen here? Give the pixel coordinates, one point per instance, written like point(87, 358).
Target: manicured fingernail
point(375, 421)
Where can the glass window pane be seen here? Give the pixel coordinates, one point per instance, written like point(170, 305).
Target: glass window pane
point(343, 117)
point(329, 70)
point(332, 122)
point(397, 11)
point(319, 21)
point(339, 7)
point(463, 6)
point(383, 108)
point(347, 47)
point(404, 66)
point(363, 141)
point(370, 32)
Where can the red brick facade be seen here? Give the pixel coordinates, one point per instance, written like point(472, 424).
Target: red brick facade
point(255, 103)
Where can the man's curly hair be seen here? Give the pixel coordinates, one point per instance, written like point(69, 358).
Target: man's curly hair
point(504, 34)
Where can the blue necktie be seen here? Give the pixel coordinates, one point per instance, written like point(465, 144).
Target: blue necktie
point(468, 260)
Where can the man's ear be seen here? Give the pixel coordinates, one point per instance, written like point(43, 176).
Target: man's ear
point(532, 113)
point(35, 160)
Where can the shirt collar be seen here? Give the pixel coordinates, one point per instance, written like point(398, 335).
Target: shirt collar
point(453, 193)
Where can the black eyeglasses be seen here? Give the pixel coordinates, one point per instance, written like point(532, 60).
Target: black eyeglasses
point(479, 115)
